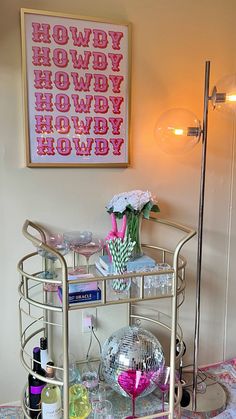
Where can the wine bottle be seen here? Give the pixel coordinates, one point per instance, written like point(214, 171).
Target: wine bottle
point(44, 352)
point(35, 385)
point(51, 397)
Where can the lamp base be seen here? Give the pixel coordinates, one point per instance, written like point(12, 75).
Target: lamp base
point(211, 397)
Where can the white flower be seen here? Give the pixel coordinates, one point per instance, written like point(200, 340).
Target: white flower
point(135, 200)
point(118, 203)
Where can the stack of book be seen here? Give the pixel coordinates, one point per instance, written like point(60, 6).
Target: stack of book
point(81, 292)
point(105, 266)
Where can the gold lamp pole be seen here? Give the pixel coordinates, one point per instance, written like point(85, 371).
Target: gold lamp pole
point(175, 137)
point(200, 233)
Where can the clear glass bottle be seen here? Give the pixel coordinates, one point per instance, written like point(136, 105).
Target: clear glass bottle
point(51, 397)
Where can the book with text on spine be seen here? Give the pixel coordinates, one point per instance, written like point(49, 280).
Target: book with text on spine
point(143, 261)
point(81, 296)
point(81, 292)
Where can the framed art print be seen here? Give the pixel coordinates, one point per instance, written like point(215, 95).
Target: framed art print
point(76, 90)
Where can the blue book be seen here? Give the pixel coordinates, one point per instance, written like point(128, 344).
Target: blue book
point(82, 296)
point(143, 261)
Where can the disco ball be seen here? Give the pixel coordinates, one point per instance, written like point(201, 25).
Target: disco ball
point(131, 349)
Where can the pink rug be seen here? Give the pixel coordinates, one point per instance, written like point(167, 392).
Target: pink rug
point(226, 375)
point(11, 412)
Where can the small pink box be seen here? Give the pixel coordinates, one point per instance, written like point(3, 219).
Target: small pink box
point(85, 286)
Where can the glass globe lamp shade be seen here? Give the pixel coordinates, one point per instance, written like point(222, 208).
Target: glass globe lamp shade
point(224, 94)
point(177, 131)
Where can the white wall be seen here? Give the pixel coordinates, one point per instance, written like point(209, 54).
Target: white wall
point(171, 41)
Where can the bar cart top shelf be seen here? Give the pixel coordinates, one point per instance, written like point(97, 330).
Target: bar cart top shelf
point(27, 288)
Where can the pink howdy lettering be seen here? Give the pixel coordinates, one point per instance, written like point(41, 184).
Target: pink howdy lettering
point(116, 82)
point(100, 83)
point(61, 80)
point(83, 148)
point(116, 143)
point(116, 103)
point(45, 146)
point(82, 127)
point(43, 102)
point(82, 105)
point(101, 104)
point(116, 123)
point(79, 61)
point(41, 56)
point(60, 34)
point(80, 39)
point(101, 147)
point(116, 38)
point(41, 32)
point(100, 38)
point(64, 146)
point(42, 79)
point(43, 124)
point(115, 61)
point(100, 125)
point(82, 84)
point(60, 57)
point(62, 102)
point(99, 61)
point(62, 124)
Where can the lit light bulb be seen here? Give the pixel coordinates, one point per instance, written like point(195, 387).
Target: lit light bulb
point(231, 97)
point(224, 94)
point(177, 131)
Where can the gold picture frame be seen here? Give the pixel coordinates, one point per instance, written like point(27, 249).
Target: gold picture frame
point(76, 78)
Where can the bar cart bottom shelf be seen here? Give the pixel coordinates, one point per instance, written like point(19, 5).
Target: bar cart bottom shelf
point(145, 406)
point(210, 403)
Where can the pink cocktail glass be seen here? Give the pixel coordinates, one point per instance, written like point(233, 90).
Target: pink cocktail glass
point(89, 249)
point(133, 382)
point(162, 381)
point(56, 242)
point(75, 239)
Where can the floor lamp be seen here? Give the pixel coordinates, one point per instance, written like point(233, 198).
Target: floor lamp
point(178, 131)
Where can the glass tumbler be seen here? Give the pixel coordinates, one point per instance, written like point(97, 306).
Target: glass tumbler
point(74, 376)
point(103, 410)
point(89, 378)
point(98, 395)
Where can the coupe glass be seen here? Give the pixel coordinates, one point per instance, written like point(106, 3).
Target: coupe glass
point(88, 249)
point(56, 241)
point(162, 381)
point(75, 239)
point(133, 382)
